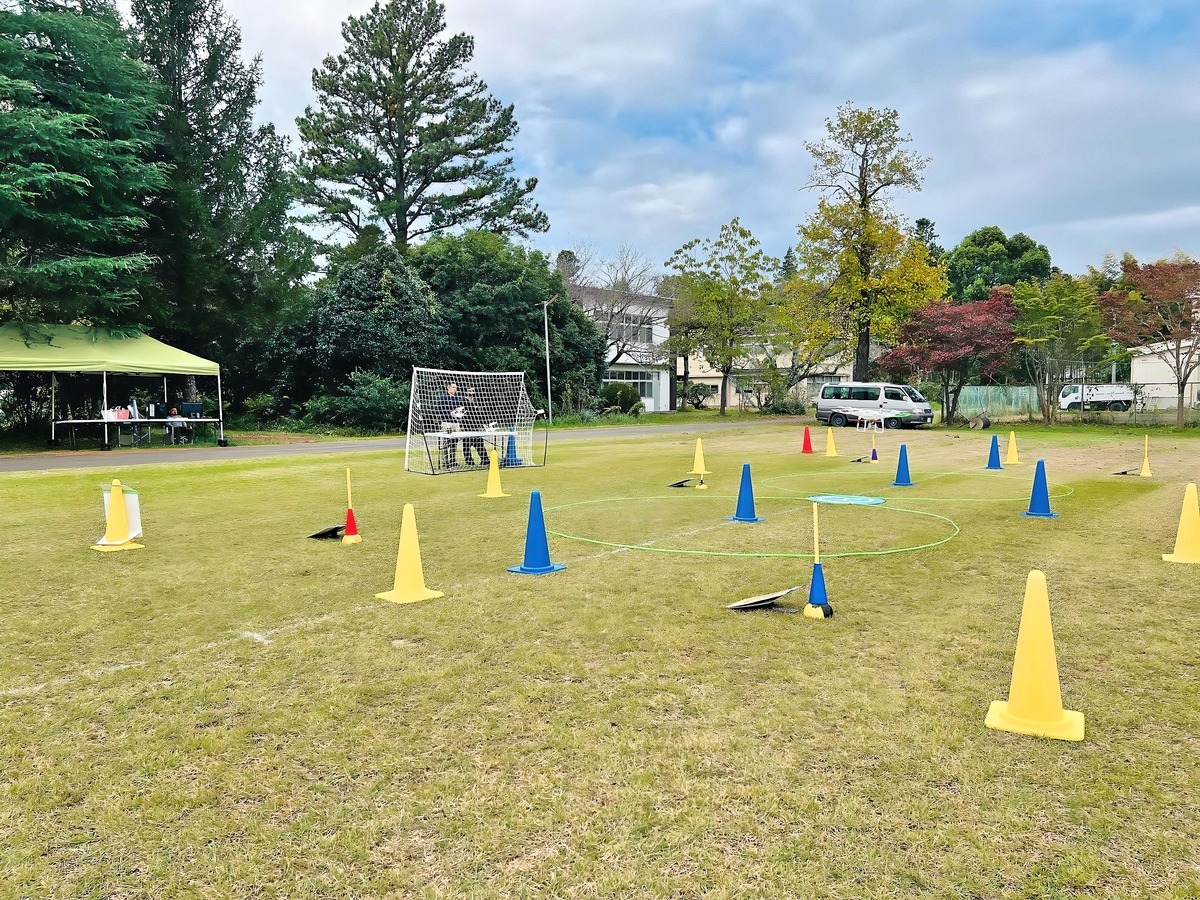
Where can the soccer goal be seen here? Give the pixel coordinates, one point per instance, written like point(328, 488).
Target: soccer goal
point(455, 418)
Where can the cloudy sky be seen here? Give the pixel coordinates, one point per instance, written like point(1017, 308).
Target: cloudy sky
point(650, 122)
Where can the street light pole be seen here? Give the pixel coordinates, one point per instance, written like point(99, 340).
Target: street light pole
point(546, 332)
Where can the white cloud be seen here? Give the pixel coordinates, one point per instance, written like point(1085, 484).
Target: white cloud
point(658, 122)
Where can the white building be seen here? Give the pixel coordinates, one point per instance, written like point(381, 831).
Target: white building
point(1150, 370)
point(636, 328)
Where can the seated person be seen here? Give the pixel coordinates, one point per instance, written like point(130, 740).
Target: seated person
point(178, 427)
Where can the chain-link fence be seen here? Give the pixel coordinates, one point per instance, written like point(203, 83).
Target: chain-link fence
point(1153, 403)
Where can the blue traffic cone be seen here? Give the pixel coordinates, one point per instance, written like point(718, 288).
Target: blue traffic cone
point(994, 455)
point(818, 602)
point(537, 551)
point(1039, 500)
point(745, 501)
point(902, 479)
point(510, 455)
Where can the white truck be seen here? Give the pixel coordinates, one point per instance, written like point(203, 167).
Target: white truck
point(1117, 397)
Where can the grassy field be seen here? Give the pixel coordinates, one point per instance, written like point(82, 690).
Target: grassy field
point(230, 713)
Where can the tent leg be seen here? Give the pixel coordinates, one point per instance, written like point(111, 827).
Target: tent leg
point(53, 393)
point(221, 442)
point(104, 376)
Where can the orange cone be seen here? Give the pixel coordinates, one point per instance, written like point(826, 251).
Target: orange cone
point(807, 448)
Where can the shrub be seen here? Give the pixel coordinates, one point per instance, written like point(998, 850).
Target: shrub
point(369, 402)
point(696, 393)
point(624, 397)
point(784, 406)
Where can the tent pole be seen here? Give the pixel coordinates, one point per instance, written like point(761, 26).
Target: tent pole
point(221, 442)
point(53, 386)
point(165, 401)
point(104, 377)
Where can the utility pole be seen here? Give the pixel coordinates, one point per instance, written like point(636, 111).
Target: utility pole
point(546, 334)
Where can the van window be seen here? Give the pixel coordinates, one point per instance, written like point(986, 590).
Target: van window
point(1069, 389)
point(894, 394)
point(916, 395)
point(864, 393)
point(835, 392)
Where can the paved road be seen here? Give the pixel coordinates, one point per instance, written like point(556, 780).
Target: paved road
point(88, 459)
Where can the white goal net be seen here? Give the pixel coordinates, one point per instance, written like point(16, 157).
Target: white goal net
point(455, 418)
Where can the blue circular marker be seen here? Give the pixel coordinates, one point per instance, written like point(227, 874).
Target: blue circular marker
point(847, 500)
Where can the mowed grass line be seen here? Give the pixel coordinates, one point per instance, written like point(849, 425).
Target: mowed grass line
point(607, 731)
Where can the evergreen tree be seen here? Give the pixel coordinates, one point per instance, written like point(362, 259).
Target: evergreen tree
point(987, 258)
point(227, 251)
point(491, 292)
point(405, 137)
point(74, 142)
point(787, 267)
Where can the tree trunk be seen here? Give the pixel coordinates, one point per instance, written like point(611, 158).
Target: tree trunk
point(1179, 407)
point(724, 388)
point(862, 350)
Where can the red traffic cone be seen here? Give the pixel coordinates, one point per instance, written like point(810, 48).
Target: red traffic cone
point(351, 535)
point(807, 441)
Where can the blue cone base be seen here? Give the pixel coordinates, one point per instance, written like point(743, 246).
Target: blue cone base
point(533, 570)
point(816, 590)
point(740, 519)
point(904, 484)
point(1046, 515)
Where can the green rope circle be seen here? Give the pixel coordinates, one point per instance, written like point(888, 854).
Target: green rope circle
point(775, 479)
point(729, 553)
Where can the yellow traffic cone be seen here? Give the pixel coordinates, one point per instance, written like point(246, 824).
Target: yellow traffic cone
point(1011, 458)
point(698, 466)
point(1187, 539)
point(493, 485)
point(1146, 473)
point(410, 580)
point(830, 446)
point(116, 524)
point(1034, 704)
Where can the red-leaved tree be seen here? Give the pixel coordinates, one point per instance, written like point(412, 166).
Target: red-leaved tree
point(1160, 315)
point(951, 341)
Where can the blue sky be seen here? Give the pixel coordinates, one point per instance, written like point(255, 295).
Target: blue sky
point(648, 124)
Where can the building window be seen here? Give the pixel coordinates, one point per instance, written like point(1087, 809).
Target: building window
point(643, 381)
point(636, 330)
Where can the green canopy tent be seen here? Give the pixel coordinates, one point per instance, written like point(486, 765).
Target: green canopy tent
point(79, 348)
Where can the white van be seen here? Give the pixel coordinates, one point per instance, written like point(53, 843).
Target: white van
point(895, 404)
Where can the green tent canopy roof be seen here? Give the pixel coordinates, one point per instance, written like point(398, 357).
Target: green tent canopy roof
point(79, 348)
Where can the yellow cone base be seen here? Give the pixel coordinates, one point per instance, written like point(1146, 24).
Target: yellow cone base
point(817, 612)
point(1068, 728)
point(409, 596)
point(1146, 473)
point(1193, 558)
point(351, 538)
point(130, 545)
point(702, 486)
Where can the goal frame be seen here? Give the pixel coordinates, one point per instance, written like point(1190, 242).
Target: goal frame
point(511, 434)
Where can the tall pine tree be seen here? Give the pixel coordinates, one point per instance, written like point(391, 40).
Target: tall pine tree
point(404, 137)
point(227, 251)
point(75, 133)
